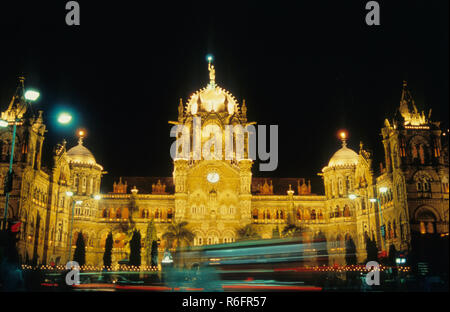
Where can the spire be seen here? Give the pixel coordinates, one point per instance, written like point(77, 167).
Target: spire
point(180, 110)
point(244, 109)
point(17, 107)
point(408, 108)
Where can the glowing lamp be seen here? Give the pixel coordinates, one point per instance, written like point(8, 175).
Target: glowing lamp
point(343, 134)
point(4, 123)
point(97, 197)
point(79, 202)
point(383, 189)
point(69, 193)
point(210, 57)
point(31, 95)
point(64, 118)
point(352, 196)
point(373, 200)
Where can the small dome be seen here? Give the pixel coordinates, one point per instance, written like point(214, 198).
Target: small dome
point(80, 154)
point(344, 157)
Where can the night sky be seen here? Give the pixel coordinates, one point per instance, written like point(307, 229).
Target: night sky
point(311, 67)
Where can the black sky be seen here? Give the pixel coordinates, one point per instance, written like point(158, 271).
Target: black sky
point(311, 67)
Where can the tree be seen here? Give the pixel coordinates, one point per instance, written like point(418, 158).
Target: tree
point(292, 230)
point(80, 250)
point(392, 255)
point(135, 249)
point(149, 239)
point(178, 235)
point(350, 259)
point(371, 249)
point(107, 261)
point(154, 253)
point(248, 232)
point(350, 251)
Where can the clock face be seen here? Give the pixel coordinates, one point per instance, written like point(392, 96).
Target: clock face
point(213, 177)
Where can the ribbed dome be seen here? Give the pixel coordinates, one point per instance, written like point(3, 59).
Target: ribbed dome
point(344, 157)
point(80, 154)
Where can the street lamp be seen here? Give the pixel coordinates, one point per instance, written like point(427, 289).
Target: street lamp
point(64, 118)
point(29, 96)
point(32, 95)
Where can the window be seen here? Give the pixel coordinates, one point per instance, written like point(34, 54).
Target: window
point(426, 185)
point(313, 214)
point(337, 212)
point(346, 211)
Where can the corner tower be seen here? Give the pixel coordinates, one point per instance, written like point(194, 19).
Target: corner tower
point(414, 160)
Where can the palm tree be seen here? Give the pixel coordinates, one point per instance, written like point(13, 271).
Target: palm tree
point(178, 235)
point(248, 232)
point(292, 230)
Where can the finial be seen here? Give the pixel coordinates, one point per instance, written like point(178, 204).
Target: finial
point(405, 83)
point(81, 133)
point(290, 191)
point(343, 137)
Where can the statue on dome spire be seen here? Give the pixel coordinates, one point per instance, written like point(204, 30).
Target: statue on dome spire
point(212, 71)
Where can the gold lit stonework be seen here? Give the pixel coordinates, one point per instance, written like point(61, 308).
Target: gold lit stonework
point(218, 196)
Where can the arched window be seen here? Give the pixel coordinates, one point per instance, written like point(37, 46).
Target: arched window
point(299, 214)
point(394, 229)
point(320, 215)
point(313, 214)
point(83, 185)
point(118, 213)
point(169, 214)
point(337, 212)
point(347, 211)
point(341, 187)
point(255, 214)
point(427, 222)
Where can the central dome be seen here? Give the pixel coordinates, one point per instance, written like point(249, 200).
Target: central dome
point(80, 154)
point(344, 157)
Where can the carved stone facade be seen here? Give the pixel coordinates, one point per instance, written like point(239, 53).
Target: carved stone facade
point(217, 195)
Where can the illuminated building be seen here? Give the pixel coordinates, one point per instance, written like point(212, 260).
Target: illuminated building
point(216, 196)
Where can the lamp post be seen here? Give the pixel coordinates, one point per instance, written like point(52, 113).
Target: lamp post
point(76, 202)
point(382, 189)
point(28, 97)
point(373, 200)
point(70, 194)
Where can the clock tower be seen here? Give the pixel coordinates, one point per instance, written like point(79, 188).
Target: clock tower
point(212, 167)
